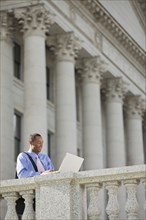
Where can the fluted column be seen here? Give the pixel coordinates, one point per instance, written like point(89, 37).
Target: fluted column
point(115, 143)
point(65, 48)
point(6, 97)
point(90, 72)
point(34, 23)
point(134, 134)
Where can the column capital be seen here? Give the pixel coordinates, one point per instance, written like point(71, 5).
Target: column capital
point(134, 106)
point(34, 20)
point(114, 89)
point(90, 69)
point(64, 46)
point(6, 26)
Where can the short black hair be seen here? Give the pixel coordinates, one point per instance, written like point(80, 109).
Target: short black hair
point(33, 136)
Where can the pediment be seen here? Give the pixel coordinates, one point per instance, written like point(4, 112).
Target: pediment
point(130, 15)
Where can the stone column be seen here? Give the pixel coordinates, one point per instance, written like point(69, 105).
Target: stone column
point(115, 141)
point(34, 23)
point(6, 98)
point(134, 134)
point(90, 73)
point(65, 48)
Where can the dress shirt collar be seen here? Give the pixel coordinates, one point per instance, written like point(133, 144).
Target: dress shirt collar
point(33, 154)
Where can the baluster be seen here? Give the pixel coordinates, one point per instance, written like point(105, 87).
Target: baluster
point(93, 210)
point(131, 203)
point(11, 203)
point(28, 211)
point(144, 183)
point(112, 208)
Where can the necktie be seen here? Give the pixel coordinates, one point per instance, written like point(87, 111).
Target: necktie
point(39, 165)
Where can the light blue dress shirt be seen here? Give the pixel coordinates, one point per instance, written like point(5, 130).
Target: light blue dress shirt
point(25, 168)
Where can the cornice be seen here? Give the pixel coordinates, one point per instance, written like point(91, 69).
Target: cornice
point(140, 8)
point(103, 18)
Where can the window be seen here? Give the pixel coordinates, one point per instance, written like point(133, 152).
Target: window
point(78, 152)
point(49, 144)
point(77, 104)
point(77, 98)
point(17, 133)
point(48, 83)
point(17, 61)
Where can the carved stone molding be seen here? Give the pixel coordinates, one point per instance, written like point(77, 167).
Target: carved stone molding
point(64, 46)
point(140, 8)
point(114, 89)
point(90, 69)
point(35, 18)
point(134, 106)
point(6, 26)
point(104, 18)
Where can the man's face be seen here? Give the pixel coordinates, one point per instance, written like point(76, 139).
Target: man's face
point(37, 144)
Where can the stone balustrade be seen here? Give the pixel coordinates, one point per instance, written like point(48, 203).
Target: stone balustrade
point(89, 195)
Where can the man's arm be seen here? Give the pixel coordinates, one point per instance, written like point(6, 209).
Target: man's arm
point(24, 167)
point(49, 164)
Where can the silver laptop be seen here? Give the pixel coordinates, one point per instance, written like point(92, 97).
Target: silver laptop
point(71, 163)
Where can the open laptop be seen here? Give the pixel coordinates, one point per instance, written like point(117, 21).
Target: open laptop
point(71, 162)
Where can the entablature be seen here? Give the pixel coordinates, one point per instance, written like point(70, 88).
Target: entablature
point(107, 24)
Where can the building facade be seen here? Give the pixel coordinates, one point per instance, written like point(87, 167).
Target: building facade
point(73, 71)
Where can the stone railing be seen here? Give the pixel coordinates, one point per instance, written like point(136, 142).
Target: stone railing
point(115, 193)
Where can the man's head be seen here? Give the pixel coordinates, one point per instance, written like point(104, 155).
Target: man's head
point(36, 143)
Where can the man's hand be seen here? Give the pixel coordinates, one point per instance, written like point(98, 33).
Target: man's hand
point(49, 171)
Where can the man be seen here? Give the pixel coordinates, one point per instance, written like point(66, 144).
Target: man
point(37, 164)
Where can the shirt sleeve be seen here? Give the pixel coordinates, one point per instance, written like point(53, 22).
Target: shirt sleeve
point(49, 164)
point(24, 169)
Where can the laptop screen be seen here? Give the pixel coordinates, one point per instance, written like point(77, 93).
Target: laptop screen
point(71, 163)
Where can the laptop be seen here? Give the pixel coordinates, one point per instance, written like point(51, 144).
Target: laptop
point(71, 163)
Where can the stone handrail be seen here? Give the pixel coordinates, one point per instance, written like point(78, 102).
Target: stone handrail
point(94, 194)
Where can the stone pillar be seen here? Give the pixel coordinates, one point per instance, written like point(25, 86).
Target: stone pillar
point(65, 48)
point(134, 134)
point(6, 99)
point(115, 141)
point(34, 23)
point(90, 73)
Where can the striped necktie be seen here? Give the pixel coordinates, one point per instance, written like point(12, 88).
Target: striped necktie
point(39, 165)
